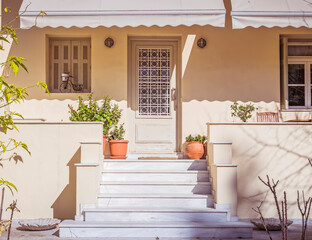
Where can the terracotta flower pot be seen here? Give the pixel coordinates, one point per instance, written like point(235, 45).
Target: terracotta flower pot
point(118, 149)
point(194, 150)
point(205, 150)
point(104, 144)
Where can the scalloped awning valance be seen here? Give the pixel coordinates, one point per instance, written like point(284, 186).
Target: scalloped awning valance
point(121, 13)
point(271, 13)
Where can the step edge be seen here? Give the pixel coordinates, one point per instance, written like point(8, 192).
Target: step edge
point(156, 211)
point(154, 183)
point(155, 160)
point(195, 196)
point(119, 224)
point(148, 171)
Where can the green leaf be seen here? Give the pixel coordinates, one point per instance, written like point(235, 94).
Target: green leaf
point(7, 9)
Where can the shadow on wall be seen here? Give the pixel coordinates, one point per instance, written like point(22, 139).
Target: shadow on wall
point(280, 152)
point(64, 206)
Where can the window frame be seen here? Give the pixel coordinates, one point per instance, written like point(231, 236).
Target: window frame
point(71, 42)
point(285, 60)
point(307, 81)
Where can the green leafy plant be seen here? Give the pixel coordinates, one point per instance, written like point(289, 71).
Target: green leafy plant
point(118, 133)
point(107, 113)
point(244, 112)
point(7, 184)
point(9, 94)
point(197, 138)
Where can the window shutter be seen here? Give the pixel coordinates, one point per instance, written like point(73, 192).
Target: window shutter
point(65, 53)
point(76, 61)
point(55, 64)
point(73, 56)
point(86, 59)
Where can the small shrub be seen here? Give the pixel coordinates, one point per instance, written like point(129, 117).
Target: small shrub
point(118, 133)
point(244, 112)
point(198, 138)
point(107, 113)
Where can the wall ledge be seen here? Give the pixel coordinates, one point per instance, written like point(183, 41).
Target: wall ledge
point(86, 164)
point(225, 165)
point(221, 143)
point(259, 123)
point(90, 142)
point(56, 122)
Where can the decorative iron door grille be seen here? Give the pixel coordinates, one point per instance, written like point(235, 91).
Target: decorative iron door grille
point(154, 82)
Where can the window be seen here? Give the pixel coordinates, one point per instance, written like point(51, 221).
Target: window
point(71, 56)
point(297, 77)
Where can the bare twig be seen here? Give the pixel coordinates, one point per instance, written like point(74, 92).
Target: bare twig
point(305, 212)
point(285, 218)
point(258, 210)
point(310, 161)
point(281, 211)
point(272, 186)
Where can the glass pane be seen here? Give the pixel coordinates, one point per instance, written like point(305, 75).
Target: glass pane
point(154, 82)
point(295, 73)
point(296, 96)
point(299, 50)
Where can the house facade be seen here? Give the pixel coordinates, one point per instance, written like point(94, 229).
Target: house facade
point(205, 83)
point(172, 70)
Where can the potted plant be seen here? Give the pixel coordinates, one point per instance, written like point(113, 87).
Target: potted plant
point(117, 145)
point(107, 113)
point(195, 146)
point(244, 112)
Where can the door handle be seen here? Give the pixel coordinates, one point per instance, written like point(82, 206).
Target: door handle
point(173, 94)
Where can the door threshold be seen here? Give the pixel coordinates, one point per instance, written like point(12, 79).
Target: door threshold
point(155, 156)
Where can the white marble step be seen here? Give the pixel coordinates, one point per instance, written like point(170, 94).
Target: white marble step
point(155, 187)
point(219, 230)
point(166, 200)
point(155, 176)
point(174, 165)
point(155, 214)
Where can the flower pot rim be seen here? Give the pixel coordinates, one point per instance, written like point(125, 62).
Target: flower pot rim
point(116, 141)
point(195, 142)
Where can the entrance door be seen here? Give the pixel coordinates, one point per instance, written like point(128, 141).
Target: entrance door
point(153, 79)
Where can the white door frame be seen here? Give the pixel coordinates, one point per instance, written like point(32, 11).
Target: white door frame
point(131, 103)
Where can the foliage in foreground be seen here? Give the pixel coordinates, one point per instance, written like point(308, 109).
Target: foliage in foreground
point(91, 111)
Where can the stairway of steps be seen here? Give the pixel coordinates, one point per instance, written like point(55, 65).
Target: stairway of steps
point(155, 198)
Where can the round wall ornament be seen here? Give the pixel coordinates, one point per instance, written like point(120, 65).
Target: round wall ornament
point(201, 43)
point(109, 42)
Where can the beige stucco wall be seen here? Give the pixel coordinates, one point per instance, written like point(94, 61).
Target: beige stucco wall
point(46, 180)
point(280, 151)
point(237, 65)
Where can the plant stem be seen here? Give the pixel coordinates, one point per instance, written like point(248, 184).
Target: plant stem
point(1, 205)
point(12, 211)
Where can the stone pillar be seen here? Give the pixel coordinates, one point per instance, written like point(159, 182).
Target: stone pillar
point(224, 176)
point(88, 175)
